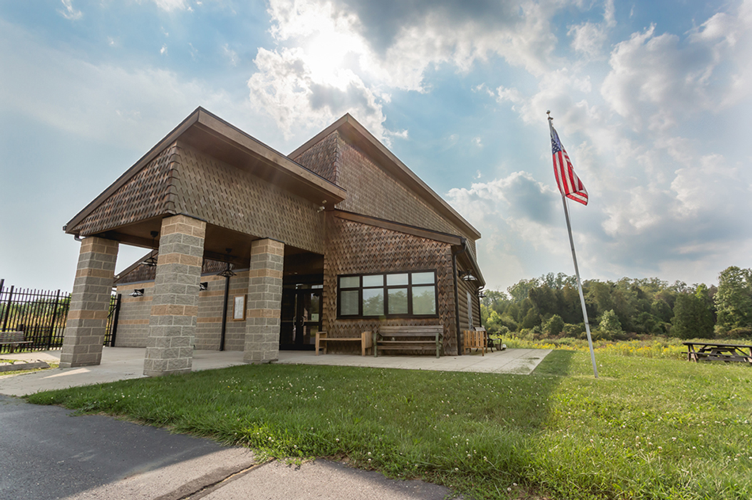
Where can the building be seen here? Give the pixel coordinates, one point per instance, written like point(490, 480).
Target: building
point(337, 236)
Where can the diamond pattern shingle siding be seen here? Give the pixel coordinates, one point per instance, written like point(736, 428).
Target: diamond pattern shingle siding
point(354, 248)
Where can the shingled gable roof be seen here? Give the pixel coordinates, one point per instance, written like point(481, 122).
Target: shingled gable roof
point(214, 136)
point(357, 134)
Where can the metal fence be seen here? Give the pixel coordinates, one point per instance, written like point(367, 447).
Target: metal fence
point(41, 315)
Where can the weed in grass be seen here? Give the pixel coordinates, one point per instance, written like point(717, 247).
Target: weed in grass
point(649, 428)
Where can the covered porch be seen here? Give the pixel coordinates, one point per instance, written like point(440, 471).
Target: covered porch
point(206, 192)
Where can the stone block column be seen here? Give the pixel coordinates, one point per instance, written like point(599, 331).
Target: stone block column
point(90, 303)
point(264, 302)
point(172, 325)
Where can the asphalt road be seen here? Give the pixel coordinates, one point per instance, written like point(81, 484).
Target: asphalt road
point(47, 453)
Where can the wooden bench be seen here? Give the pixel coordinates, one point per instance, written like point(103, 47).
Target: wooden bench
point(475, 339)
point(365, 340)
point(408, 338)
point(13, 339)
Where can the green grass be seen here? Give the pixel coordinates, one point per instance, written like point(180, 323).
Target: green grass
point(648, 428)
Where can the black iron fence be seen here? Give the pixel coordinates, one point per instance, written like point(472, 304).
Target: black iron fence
point(41, 315)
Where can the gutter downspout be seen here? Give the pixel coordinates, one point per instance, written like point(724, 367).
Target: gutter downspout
point(456, 297)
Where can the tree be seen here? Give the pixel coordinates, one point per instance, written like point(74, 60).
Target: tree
point(608, 326)
point(544, 299)
point(661, 310)
point(734, 298)
point(554, 325)
point(531, 319)
point(692, 318)
point(519, 290)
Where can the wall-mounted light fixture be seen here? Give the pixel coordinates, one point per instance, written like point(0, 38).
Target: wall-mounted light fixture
point(480, 293)
point(138, 292)
point(466, 276)
point(203, 286)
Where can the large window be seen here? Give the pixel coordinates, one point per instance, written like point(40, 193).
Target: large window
point(390, 295)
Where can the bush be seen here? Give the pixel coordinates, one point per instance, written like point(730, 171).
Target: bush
point(739, 333)
point(554, 325)
point(573, 331)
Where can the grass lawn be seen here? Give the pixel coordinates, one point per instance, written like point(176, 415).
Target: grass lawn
point(648, 428)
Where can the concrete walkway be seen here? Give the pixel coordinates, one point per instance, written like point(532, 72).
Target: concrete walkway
point(121, 363)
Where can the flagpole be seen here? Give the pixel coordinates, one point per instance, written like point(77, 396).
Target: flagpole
point(579, 287)
point(576, 268)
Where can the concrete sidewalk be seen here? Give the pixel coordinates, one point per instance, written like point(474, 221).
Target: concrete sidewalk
point(122, 363)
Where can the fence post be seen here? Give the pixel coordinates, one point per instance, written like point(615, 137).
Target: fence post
point(7, 308)
point(54, 316)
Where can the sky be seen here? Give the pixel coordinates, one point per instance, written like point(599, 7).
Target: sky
point(651, 100)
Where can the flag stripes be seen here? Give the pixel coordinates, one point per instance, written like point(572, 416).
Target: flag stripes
point(569, 184)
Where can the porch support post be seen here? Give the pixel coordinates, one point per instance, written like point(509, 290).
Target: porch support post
point(90, 303)
point(264, 302)
point(172, 325)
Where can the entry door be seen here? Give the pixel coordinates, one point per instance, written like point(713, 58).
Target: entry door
point(301, 319)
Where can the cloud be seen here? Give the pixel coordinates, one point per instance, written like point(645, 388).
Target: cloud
point(346, 55)
point(288, 89)
point(70, 12)
point(588, 38)
point(111, 104)
point(230, 54)
point(667, 193)
point(657, 80)
point(517, 216)
point(171, 5)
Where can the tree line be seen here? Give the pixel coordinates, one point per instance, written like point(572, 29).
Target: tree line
point(549, 306)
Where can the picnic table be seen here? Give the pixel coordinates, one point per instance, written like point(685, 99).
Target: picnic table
point(715, 351)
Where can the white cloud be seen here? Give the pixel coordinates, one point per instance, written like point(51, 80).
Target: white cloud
point(657, 80)
point(345, 55)
point(171, 5)
point(289, 89)
point(163, 50)
point(230, 54)
point(70, 12)
point(520, 220)
point(588, 38)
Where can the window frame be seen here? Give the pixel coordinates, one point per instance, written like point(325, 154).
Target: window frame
point(385, 287)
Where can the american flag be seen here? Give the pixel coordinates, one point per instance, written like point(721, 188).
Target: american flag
point(569, 184)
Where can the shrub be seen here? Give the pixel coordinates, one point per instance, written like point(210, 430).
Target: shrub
point(554, 325)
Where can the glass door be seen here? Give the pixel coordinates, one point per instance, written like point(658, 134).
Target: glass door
point(301, 319)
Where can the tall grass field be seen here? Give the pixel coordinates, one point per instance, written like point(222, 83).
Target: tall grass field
point(647, 428)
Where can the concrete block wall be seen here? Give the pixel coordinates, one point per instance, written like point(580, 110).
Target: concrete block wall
point(133, 319)
point(209, 322)
point(264, 301)
point(174, 310)
point(90, 303)
point(133, 322)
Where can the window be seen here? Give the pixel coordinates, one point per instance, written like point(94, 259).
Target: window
point(411, 294)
